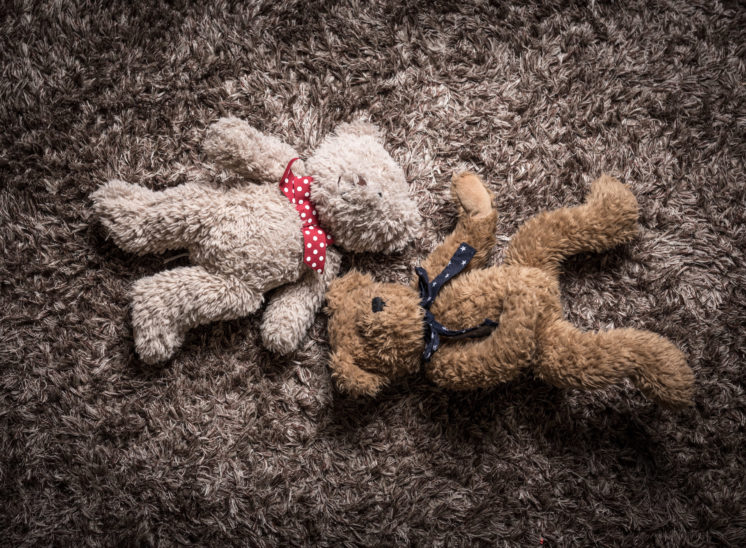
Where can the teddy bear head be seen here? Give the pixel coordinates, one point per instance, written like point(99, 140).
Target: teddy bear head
point(377, 330)
point(360, 192)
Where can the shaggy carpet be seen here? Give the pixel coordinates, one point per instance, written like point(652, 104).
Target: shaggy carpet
point(231, 445)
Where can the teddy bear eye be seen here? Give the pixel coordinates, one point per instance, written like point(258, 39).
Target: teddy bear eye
point(377, 304)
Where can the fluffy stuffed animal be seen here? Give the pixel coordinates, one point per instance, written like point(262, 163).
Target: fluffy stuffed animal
point(247, 240)
point(488, 324)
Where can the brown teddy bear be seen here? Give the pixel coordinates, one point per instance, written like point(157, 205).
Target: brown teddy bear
point(274, 230)
point(488, 324)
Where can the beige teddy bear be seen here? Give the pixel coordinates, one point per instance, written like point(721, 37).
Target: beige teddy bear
point(249, 239)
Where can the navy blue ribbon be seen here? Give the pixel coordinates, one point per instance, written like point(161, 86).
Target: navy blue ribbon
point(429, 290)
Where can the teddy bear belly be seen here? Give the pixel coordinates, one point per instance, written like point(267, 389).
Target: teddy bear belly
point(478, 295)
point(254, 235)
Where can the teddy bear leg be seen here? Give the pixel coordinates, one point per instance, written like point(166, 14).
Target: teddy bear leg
point(467, 365)
point(142, 221)
point(607, 219)
point(165, 306)
point(572, 358)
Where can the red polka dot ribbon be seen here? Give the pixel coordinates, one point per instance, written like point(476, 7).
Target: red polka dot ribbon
point(315, 239)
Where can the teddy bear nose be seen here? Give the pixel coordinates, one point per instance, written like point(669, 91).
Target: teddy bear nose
point(377, 304)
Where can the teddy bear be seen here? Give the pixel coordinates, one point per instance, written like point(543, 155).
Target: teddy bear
point(468, 326)
point(281, 229)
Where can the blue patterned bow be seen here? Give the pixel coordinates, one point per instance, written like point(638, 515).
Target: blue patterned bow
point(429, 290)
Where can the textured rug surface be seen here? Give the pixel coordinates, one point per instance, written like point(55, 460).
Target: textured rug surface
point(229, 444)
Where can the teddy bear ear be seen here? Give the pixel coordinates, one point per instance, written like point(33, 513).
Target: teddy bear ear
point(353, 380)
point(359, 128)
point(341, 289)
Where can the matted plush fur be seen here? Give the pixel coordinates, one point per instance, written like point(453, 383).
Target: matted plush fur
point(230, 445)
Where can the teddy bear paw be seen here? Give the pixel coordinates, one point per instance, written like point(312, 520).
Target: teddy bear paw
point(281, 337)
point(155, 345)
point(279, 343)
point(116, 194)
point(156, 336)
point(471, 193)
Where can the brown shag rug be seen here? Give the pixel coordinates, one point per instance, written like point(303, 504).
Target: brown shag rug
point(230, 445)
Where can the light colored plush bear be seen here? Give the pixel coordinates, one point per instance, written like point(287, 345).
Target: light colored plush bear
point(249, 239)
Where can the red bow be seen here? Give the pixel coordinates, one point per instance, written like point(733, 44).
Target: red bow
point(315, 239)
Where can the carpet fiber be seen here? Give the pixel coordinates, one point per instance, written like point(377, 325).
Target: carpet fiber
point(229, 444)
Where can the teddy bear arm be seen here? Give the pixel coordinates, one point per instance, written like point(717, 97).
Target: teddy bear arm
point(351, 379)
point(235, 145)
point(293, 307)
point(471, 194)
point(476, 225)
point(477, 231)
point(467, 365)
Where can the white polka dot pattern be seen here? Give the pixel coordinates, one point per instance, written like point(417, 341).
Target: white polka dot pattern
point(315, 239)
